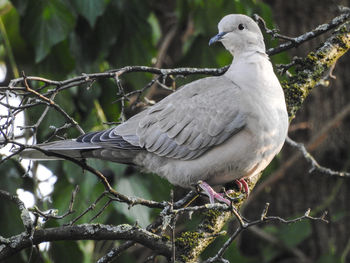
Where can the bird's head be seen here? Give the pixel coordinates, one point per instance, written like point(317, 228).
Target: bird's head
point(239, 33)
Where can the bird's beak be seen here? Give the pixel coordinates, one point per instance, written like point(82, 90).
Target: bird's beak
point(216, 38)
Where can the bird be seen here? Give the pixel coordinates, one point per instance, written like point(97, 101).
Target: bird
point(208, 132)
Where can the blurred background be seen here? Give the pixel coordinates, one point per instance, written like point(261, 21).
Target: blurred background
point(60, 39)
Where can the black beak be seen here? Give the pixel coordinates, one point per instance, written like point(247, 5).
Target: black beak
point(216, 38)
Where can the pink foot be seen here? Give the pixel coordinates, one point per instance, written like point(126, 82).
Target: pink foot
point(242, 183)
point(239, 184)
point(212, 194)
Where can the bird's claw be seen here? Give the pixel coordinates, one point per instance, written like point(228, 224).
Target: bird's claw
point(210, 192)
point(242, 183)
point(212, 195)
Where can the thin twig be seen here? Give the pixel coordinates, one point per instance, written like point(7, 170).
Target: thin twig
point(52, 214)
point(115, 252)
point(90, 208)
point(263, 219)
point(315, 166)
point(101, 210)
point(26, 85)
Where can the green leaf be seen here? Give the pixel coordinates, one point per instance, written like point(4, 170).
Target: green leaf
point(133, 187)
point(133, 44)
point(58, 63)
point(294, 234)
point(156, 30)
point(45, 24)
point(90, 9)
point(12, 24)
point(290, 235)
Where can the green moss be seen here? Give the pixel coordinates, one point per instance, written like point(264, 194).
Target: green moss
point(342, 29)
point(165, 238)
point(294, 96)
point(339, 40)
point(308, 72)
point(210, 219)
point(187, 243)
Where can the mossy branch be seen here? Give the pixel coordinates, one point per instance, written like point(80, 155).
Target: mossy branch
point(315, 67)
point(309, 71)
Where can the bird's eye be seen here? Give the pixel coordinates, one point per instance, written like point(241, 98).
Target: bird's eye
point(240, 27)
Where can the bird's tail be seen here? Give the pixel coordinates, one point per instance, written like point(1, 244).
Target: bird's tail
point(78, 150)
point(53, 150)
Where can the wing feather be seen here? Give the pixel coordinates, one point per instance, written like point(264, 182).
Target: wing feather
point(188, 122)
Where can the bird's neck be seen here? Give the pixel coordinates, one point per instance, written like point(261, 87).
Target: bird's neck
point(250, 68)
point(251, 62)
point(249, 56)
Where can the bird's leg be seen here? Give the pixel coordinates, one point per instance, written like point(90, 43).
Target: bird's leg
point(243, 184)
point(212, 194)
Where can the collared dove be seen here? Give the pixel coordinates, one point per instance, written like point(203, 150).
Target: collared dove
point(214, 130)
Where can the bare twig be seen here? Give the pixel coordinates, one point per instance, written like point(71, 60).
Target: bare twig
point(90, 208)
point(263, 219)
point(115, 252)
point(52, 213)
point(30, 90)
point(272, 32)
point(101, 210)
point(315, 166)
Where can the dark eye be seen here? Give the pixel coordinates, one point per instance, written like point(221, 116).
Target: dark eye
point(240, 27)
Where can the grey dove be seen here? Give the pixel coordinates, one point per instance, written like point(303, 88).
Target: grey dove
point(213, 130)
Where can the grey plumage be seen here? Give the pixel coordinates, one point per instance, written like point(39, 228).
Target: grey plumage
point(216, 129)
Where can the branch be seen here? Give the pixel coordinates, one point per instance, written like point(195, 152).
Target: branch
point(87, 232)
point(310, 70)
point(314, 164)
point(115, 252)
point(88, 78)
point(319, 30)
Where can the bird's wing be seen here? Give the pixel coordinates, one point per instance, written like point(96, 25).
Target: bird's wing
point(187, 123)
point(184, 125)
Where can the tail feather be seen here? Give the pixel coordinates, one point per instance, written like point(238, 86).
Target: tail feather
point(69, 148)
point(79, 150)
